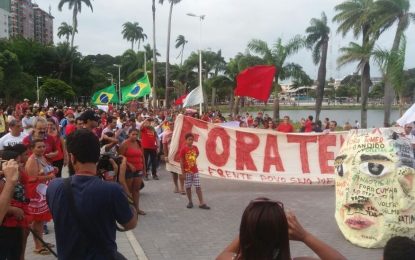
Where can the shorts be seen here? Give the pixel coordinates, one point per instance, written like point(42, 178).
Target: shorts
point(130, 175)
point(192, 179)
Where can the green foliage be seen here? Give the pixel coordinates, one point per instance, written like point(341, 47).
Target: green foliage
point(56, 89)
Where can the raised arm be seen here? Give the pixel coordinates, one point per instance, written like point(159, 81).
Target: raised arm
point(298, 233)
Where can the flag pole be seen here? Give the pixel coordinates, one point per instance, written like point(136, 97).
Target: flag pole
point(145, 73)
point(200, 62)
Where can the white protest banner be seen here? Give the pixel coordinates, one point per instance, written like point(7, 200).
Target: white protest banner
point(257, 155)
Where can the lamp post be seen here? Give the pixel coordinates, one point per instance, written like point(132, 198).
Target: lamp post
point(112, 78)
point(37, 89)
point(119, 82)
point(201, 18)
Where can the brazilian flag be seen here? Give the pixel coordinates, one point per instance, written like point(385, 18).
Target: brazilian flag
point(138, 89)
point(105, 96)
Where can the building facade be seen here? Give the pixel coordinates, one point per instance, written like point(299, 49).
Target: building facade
point(43, 25)
point(27, 20)
point(4, 18)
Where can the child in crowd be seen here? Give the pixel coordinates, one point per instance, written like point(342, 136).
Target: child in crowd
point(188, 156)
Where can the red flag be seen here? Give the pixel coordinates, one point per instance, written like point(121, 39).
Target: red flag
point(255, 82)
point(179, 101)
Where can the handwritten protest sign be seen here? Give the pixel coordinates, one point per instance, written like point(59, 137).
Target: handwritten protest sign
point(258, 155)
point(375, 187)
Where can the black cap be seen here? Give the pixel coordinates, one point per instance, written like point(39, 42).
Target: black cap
point(89, 115)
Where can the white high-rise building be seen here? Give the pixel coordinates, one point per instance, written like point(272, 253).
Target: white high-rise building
point(4, 18)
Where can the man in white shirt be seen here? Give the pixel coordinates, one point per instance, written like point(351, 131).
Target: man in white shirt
point(27, 122)
point(409, 135)
point(15, 136)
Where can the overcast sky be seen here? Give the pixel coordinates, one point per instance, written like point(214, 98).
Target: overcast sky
point(229, 26)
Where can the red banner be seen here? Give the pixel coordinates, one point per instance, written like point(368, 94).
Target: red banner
point(256, 154)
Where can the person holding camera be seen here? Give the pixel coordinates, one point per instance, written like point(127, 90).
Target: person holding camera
point(133, 152)
point(85, 209)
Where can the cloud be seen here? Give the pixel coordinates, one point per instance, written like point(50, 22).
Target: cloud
point(229, 25)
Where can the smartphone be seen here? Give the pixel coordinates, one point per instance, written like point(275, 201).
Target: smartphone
point(1, 164)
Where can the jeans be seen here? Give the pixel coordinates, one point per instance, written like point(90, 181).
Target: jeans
point(150, 157)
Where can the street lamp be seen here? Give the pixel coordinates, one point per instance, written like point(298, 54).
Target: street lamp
point(119, 82)
point(112, 78)
point(37, 89)
point(201, 18)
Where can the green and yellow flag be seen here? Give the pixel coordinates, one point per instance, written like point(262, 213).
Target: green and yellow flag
point(105, 96)
point(136, 90)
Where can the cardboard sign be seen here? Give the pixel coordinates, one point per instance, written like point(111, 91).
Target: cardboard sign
point(257, 155)
point(375, 187)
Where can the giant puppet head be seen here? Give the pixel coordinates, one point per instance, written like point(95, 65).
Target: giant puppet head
point(375, 187)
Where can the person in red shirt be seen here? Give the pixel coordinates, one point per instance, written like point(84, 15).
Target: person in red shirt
point(149, 143)
point(309, 125)
point(188, 156)
point(285, 126)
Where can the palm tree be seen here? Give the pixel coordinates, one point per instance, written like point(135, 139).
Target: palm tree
point(172, 3)
point(361, 54)
point(149, 52)
point(277, 56)
point(181, 42)
point(387, 13)
point(153, 88)
point(129, 32)
point(355, 16)
point(76, 6)
point(392, 65)
point(318, 40)
point(65, 30)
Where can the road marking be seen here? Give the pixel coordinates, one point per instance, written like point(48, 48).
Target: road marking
point(138, 250)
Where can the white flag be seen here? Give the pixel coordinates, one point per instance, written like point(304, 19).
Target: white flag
point(195, 97)
point(46, 104)
point(103, 108)
point(408, 117)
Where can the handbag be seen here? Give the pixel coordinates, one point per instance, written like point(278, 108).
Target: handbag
point(86, 232)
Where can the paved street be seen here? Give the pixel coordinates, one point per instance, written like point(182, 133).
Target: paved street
point(171, 231)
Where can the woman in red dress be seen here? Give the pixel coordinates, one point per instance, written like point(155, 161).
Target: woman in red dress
point(39, 172)
point(133, 151)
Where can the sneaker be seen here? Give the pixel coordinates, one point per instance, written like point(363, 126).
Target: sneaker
point(146, 178)
point(189, 205)
point(155, 177)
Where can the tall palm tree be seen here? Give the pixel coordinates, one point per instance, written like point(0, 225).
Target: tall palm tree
point(129, 32)
point(65, 30)
point(172, 3)
point(153, 89)
point(318, 40)
point(362, 54)
point(355, 16)
point(181, 42)
point(387, 13)
point(392, 65)
point(277, 56)
point(149, 52)
point(76, 6)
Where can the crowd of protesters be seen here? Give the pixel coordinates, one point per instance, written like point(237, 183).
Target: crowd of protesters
point(124, 147)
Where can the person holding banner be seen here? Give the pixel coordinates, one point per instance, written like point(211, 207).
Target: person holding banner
point(266, 231)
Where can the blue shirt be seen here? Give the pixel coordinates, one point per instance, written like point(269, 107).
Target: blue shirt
point(100, 204)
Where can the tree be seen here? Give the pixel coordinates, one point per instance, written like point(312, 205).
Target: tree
point(149, 52)
point(167, 84)
point(355, 15)
point(387, 12)
point(392, 64)
point(180, 43)
point(76, 6)
point(65, 30)
point(55, 89)
point(318, 40)
point(129, 33)
point(277, 56)
point(133, 32)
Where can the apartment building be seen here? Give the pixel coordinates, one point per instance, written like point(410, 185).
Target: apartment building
point(27, 20)
point(4, 18)
point(43, 25)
